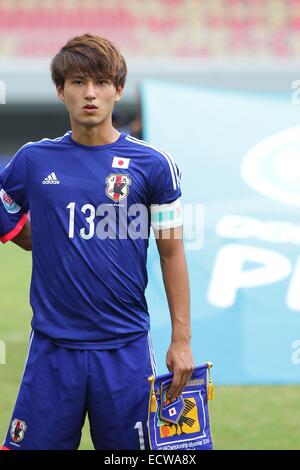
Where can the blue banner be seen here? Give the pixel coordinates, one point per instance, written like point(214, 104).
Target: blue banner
point(240, 159)
point(182, 423)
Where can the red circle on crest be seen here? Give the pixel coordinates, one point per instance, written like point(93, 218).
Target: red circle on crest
point(165, 431)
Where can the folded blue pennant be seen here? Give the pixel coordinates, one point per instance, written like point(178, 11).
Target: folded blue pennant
point(183, 423)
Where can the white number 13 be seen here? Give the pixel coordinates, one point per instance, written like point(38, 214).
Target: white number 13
point(87, 208)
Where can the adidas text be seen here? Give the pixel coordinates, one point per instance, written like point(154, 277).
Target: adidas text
point(51, 179)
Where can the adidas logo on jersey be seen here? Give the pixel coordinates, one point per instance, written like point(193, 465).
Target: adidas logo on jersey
point(51, 179)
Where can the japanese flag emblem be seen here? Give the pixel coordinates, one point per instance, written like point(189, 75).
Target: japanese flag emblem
point(120, 162)
point(172, 411)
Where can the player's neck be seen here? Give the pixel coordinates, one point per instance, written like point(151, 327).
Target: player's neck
point(95, 136)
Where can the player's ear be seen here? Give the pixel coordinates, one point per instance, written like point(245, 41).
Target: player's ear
point(60, 92)
point(119, 92)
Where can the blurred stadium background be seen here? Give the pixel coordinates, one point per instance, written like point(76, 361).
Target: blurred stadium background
point(208, 80)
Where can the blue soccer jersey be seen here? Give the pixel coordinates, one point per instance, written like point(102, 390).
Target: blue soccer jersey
point(90, 215)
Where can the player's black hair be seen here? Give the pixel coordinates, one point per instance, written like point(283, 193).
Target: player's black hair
point(89, 56)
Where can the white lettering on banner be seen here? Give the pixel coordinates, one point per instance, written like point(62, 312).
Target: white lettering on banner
point(272, 167)
point(293, 297)
point(229, 273)
point(242, 227)
point(296, 354)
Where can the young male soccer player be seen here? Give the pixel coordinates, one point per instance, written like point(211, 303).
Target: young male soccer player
point(91, 194)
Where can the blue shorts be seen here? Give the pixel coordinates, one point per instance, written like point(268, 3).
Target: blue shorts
point(60, 386)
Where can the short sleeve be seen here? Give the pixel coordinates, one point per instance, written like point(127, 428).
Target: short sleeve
point(13, 180)
point(165, 181)
point(13, 198)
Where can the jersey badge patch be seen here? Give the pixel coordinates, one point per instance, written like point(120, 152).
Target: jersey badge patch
point(117, 186)
point(10, 205)
point(17, 430)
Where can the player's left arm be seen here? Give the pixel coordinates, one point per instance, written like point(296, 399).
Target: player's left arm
point(167, 223)
point(176, 281)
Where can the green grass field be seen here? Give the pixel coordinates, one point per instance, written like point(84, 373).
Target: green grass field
point(265, 417)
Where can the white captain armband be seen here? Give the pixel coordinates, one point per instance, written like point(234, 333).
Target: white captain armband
point(166, 216)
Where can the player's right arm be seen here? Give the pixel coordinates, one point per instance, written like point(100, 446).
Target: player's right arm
point(23, 239)
point(14, 224)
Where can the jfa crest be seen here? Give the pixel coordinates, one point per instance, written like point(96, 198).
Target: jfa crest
point(17, 430)
point(117, 186)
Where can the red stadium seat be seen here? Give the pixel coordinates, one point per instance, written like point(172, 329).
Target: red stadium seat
point(157, 27)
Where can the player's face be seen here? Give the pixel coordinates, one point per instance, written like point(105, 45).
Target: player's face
point(90, 101)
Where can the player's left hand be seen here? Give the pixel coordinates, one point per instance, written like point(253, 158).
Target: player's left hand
point(180, 362)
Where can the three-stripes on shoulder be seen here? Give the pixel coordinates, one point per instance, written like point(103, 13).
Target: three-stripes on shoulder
point(30, 144)
point(174, 170)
